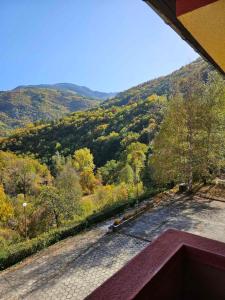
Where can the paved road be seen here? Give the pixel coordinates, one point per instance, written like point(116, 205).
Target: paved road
point(73, 268)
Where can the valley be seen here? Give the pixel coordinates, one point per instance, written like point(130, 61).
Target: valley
point(62, 174)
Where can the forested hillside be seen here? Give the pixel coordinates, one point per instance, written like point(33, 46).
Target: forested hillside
point(134, 114)
point(43, 103)
point(19, 107)
point(105, 131)
point(165, 85)
point(157, 135)
point(71, 87)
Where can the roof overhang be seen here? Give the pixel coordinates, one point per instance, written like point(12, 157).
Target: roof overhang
point(200, 22)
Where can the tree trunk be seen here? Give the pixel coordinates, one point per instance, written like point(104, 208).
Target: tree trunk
point(56, 219)
point(190, 153)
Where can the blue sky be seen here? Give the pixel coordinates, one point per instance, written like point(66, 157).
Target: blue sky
point(105, 45)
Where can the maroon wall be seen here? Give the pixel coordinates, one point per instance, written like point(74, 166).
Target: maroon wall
point(184, 6)
point(177, 265)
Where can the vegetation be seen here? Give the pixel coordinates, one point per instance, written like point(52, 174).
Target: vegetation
point(35, 201)
point(133, 115)
point(190, 145)
point(72, 170)
point(162, 86)
point(23, 106)
point(70, 87)
point(106, 132)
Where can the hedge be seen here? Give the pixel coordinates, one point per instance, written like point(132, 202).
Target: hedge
point(17, 252)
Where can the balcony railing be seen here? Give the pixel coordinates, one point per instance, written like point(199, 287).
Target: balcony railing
point(176, 266)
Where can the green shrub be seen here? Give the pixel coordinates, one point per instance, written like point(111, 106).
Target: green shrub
point(87, 206)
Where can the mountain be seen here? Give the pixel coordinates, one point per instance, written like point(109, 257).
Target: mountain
point(135, 114)
point(26, 104)
point(70, 87)
point(19, 107)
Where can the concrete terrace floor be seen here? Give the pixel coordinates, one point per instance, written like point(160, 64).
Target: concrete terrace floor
point(73, 268)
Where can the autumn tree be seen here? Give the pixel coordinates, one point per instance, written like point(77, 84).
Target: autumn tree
point(213, 123)
point(190, 145)
point(58, 162)
point(136, 157)
point(126, 174)
point(108, 174)
point(50, 206)
point(6, 209)
point(22, 175)
point(83, 159)
point(68, 184)
point(83, 162)
point(58, 202)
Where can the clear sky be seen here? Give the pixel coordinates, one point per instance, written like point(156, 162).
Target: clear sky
point(107, 45)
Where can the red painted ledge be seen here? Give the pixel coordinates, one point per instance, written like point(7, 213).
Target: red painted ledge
point(176, 266)
point(185, 6)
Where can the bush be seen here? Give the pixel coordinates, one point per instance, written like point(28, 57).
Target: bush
point(117, 222)
point(3, 243)
point(9, 236)
point(15, 253)
point(87, 206)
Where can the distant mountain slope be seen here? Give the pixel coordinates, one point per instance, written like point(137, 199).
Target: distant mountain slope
point(164, 85)
point(104, 131)
point(70, 87)
point(26, 105)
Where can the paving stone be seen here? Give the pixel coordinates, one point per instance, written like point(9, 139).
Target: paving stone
point(73, 268)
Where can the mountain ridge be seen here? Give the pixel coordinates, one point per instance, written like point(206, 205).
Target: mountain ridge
point(34, 103)
point(78, 89)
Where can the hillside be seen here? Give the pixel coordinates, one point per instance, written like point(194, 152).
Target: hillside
point(164, 85)
point(104, 131)
point(132, 115)
point(26, 105)
point(70, 87)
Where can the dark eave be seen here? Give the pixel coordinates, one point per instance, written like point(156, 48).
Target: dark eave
point(166, 9)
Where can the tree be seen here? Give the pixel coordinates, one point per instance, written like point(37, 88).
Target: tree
point(213, 119)
point(136, 156)
point(126, 175)
point(109, 173)
point(83, 162)
point(6, 209)
point(83, 159)
point(104, 196)
point(88, 181)
point(50, 205)
point(170, 146)
point(68, 184)
point(22, 175)
point(58, 162)
point(58, 202)
point(190, 145)
point(129, 138)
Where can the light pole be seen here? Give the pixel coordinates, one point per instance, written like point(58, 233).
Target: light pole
point(25, 218)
